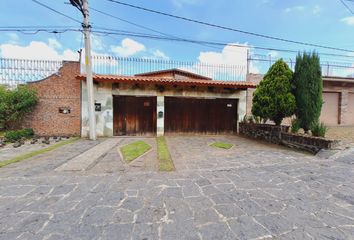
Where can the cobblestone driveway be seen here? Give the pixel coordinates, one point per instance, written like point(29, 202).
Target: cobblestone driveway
point(252, 191)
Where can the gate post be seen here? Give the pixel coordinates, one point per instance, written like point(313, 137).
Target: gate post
point(160, 121)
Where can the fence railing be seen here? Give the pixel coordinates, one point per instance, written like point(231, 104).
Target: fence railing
point(261, 63)
point(130, 66)
point(19, 71)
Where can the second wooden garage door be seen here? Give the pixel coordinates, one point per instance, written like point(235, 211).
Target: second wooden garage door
point(195, 115)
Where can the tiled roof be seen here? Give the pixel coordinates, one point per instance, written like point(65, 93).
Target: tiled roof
point(170, 81)
point(174, 71)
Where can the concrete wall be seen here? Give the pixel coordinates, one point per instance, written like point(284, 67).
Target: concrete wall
point(61, 90)
point(104, 94)
point(342, 108)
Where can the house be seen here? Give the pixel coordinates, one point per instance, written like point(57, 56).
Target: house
point(338, 100)
point(154, 103)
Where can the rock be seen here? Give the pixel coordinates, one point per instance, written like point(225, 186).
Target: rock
point(17, 144)
point(58, 139)
point(2, 143)
point(55, 137)
point(46, 140)
point(34, 140)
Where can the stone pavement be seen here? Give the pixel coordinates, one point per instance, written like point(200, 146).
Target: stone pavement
point(253, 191)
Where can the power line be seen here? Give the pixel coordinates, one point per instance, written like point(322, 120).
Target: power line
point(157, 37)
point(109, 31)
point(347, 7)
point(138, 25)
point(228, 28)
point(53, 10)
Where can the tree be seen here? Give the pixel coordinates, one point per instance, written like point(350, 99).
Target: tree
point(15, 104)
point(307, 89)
point(273, 98)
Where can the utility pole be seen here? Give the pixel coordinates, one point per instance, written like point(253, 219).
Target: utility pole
point(82, 5)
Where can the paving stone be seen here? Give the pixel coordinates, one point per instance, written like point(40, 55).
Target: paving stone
point(218, 231)
point(114, 231)
point(253, 191)
point(132, 204)
point(275, 223)
point(145, 231)
point(246, 227)
point(229, 210)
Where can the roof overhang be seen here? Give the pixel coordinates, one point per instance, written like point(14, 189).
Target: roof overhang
point(169, 81)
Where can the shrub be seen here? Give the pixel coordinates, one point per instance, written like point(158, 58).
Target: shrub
point(15, 135)
point(307, 88)
point(295, 126)
point(273, 98)
point(318, 129)
point(15, 104)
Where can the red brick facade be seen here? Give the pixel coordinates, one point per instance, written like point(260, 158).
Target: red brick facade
point(61, 90)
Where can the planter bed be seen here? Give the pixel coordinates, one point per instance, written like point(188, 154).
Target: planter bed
point(280, 135)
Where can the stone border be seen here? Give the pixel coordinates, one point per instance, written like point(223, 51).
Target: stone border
point(280, 135)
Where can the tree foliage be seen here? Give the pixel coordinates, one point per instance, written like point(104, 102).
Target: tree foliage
point(308, 86)
point(15, 104)
point(273, 98)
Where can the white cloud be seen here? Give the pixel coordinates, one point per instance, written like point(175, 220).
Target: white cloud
point(160, 55)
point(294, 9)
point(348, 20)
point(316, 10)
point(36, 50)
point(230, 55)
point(53, 43)
point(128, 48)
point(13, 38)
point(97, 43)
point(273, 54)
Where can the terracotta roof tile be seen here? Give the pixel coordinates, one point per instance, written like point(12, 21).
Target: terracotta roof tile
point(170, 81)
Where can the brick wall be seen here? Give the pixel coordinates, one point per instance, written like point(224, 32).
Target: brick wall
point(61, 90)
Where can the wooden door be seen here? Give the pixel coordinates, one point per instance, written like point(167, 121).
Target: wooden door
point(134, 115)
point(197, 115)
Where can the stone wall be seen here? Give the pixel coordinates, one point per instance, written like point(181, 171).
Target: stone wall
point(58, 112)
point(280, 135)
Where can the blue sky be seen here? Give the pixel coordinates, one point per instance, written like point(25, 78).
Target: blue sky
point(325, 22)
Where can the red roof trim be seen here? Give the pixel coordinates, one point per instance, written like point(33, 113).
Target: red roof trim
point(170, 81)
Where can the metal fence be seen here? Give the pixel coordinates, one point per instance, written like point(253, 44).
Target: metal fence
point(130, 66)
point(261, 63)
point(19, 71)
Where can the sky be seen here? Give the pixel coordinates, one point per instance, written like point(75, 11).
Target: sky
point(325, 22)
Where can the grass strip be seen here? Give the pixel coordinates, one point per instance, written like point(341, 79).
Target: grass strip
point(134, 150)
point(164, 156)
point(35, 153)
point(221, 145)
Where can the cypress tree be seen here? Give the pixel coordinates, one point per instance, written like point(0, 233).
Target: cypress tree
point(273, 98)
point(307, 88)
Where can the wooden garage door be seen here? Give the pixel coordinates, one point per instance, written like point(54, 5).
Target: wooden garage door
point(194, 115)
point(134, 115)
point(330, 108)
point(351, 109)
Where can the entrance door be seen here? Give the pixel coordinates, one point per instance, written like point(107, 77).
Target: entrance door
point(134, 115)
point(197, 115)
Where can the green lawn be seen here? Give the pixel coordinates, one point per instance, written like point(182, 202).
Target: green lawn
point(35, 153)
point(165, 161)
point(134, 150)
point(221, 145)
